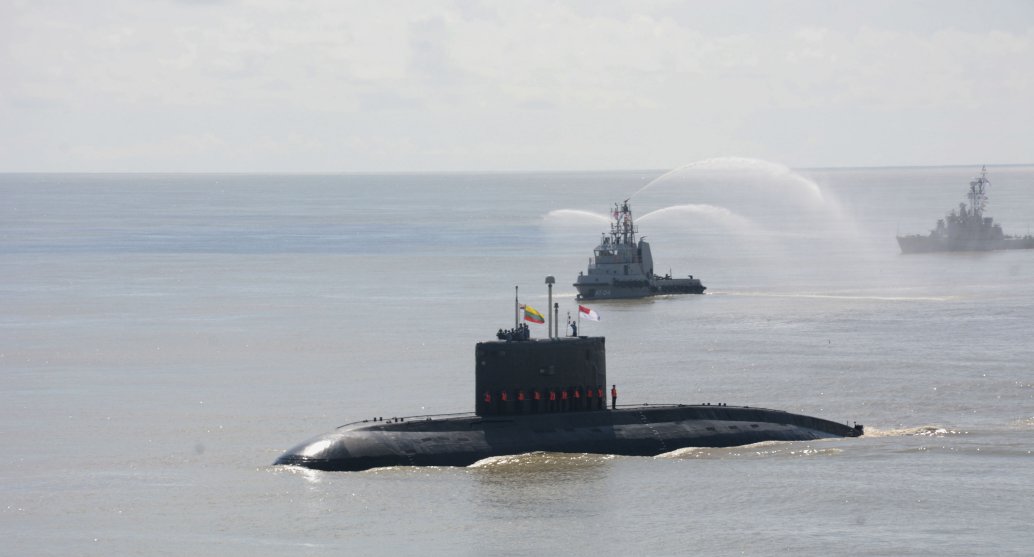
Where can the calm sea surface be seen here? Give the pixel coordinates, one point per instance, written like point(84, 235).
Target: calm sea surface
point(163, 338)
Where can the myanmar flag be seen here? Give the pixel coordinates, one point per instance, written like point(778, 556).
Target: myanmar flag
point(531, 314)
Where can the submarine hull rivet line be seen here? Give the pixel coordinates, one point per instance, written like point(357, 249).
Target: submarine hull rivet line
point(622, 267)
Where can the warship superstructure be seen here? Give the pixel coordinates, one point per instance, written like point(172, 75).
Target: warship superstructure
point(622, 267)
point(966, 228)
point(548, 395)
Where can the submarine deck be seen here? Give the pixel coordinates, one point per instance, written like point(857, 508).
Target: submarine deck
point(642, 430)
point(625, 413)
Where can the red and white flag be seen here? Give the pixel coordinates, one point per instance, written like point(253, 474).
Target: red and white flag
point(586, 313)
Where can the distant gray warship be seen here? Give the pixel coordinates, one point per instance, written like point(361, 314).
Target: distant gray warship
point(966, 229)
point(623, 268)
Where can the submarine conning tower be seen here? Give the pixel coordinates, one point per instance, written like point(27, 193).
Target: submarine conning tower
point(520, 375)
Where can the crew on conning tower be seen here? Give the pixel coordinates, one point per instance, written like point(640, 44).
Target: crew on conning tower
point(572, 370)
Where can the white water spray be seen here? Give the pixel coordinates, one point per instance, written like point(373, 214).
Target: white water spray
point(575, 216)
point(746, 167)
point(711, 212)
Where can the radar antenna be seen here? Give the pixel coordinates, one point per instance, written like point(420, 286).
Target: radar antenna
point(623, 230)
point(978, 192)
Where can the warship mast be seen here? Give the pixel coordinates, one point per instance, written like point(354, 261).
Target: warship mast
point(978, 192)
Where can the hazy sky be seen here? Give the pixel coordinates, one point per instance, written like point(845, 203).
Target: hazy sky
point(316, 86)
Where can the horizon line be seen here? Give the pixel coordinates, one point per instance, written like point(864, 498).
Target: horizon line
point(504, 171)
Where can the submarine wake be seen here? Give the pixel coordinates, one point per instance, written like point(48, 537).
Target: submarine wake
point(764, 449)
point(540, 460)
point(919, 431)
point(859, 297)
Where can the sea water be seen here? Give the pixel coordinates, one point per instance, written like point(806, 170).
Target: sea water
point(165, 337)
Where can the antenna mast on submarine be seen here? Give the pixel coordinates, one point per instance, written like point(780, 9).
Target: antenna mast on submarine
point(549, 311)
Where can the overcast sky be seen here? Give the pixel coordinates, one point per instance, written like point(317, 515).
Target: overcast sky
point(466, 85)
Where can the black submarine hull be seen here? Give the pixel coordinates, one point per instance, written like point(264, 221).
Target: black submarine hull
point(631, 431)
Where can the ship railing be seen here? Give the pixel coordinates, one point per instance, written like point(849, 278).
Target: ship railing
point(414, 418)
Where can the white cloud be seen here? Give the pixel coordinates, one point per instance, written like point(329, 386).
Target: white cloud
point(593, 80)
point(176, 147)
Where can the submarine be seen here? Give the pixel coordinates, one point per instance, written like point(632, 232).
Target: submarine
point(548, 395)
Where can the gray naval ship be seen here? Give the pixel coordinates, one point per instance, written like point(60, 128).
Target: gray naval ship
point(623, 268)
point(548, 395)
point(966, 228)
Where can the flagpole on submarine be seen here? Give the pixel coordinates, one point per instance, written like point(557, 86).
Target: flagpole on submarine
point(549, 309)
point(516, 311)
